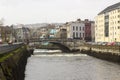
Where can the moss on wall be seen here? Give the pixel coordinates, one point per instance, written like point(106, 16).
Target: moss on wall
point(12, 64)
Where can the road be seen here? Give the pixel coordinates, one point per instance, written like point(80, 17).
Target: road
point(9, 47)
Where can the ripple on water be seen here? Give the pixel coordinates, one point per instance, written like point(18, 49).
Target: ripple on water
point(70, 67)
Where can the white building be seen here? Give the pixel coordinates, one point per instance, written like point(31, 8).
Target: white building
point(76, 30)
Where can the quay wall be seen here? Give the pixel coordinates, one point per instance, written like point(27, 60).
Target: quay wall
point(12, 64)
point(110, 53)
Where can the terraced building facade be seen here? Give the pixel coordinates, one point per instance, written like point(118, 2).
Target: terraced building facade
point(107, 24)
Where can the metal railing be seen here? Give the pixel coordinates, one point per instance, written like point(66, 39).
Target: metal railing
point(4, 48)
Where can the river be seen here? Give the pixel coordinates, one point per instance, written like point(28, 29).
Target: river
point(59, 66)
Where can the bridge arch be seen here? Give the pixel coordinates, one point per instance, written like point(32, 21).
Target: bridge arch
point(62, 47)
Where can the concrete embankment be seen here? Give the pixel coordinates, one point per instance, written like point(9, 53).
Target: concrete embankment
point(110, 53)
point(12, 64)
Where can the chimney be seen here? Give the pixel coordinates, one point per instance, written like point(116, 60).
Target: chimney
point(79, 20)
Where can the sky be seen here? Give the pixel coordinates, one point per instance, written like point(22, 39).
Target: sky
point(50, 11)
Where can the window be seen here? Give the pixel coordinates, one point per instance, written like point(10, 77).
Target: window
point(115, 39)
point(106, 28)
point(76, 35)
point(73, 28)
point(118, 21)
point(80, 35)
point(118, 27)
point(80, 28)
point(76, 28)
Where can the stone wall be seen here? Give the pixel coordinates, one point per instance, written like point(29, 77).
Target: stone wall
point(110, 53)
point(13, 66)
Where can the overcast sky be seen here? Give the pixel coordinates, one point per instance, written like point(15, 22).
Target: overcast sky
point(40, 11)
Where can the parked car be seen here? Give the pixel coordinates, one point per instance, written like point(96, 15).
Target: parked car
point(111, 43)
point(104, 43)
point(99, 43)
point(117, 43)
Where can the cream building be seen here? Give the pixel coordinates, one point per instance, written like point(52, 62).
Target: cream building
point(93, 31)
point(107, 24)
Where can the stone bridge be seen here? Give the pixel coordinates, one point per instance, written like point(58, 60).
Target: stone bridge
point(66, 45)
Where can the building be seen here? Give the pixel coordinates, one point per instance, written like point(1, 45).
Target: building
point(83, 30)
point(76, 30)
point(89, 30)
point(93, 31)
point(6, 33)
point(107, 24)
point(43, 32)
point(61, 32)
point(22, 33)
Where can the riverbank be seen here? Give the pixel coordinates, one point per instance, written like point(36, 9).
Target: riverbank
point(110, 53)
point(12, 64)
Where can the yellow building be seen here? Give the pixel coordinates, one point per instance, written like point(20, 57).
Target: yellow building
point(107, 24)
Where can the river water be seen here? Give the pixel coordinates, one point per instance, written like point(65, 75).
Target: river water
point(59, 66)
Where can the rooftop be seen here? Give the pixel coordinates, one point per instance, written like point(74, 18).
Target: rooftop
point(110, 8)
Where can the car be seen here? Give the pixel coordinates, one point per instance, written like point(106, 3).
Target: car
point(104, 43)
point(117, 43)
point(99, 43)
point(111, 43)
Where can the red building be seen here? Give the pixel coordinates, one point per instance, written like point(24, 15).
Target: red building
point(88, 35)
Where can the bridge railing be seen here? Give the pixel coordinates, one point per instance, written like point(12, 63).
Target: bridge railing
point(51, 39)
point(9, 47)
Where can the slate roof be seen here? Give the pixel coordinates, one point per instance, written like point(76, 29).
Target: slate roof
point(110, 8)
